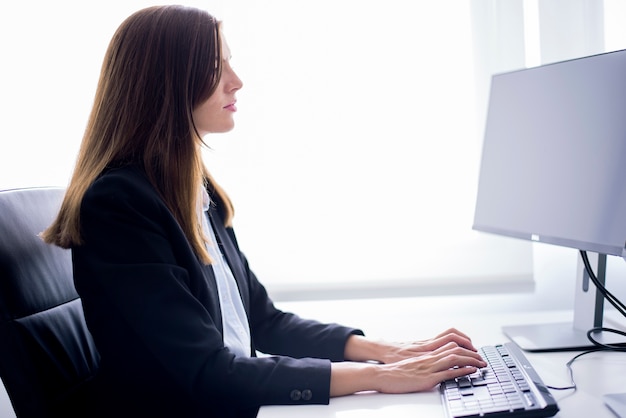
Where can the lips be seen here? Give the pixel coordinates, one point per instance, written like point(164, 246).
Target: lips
point(232, 107)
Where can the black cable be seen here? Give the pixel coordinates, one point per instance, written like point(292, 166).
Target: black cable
point(571, 372)
point(621, 308)
point(614, 347)
point(619, 305)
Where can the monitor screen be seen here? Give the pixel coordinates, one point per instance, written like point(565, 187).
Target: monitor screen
point(553, 170)
point(553, 166)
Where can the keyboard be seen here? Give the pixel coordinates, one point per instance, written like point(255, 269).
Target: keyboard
point(508, 387)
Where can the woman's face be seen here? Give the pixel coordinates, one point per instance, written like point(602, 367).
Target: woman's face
point(216, 114)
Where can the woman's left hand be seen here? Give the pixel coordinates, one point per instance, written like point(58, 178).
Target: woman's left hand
point(361, 349)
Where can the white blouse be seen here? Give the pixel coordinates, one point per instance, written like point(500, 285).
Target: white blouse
point(234, 320)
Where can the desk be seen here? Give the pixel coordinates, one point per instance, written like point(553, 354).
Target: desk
point(596, 374)
point(391, 319)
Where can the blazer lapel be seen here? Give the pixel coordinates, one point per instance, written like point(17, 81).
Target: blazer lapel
point(209, 278)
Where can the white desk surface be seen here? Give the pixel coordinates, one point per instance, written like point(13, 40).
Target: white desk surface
point(400, 319)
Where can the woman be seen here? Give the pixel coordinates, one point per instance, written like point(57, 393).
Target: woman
point(175, 312)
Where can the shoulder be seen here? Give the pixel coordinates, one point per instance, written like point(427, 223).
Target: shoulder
point(122, 205)
point(125, 194)
point(125, 184)
point(121, 179)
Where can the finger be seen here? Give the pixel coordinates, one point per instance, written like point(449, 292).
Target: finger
point(445, 333)
point(460, 339)
point(454, 331)
point(452, 355)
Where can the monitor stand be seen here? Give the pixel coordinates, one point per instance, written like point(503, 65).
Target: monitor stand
point(588, 313)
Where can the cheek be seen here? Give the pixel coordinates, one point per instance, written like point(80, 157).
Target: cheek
point(203, 116)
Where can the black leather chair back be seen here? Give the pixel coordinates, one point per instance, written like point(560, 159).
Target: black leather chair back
point(46, 352)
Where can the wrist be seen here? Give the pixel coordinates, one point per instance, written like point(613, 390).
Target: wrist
point(348, 378)
point(359, 348)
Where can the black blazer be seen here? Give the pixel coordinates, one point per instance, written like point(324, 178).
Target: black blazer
point(154, 313)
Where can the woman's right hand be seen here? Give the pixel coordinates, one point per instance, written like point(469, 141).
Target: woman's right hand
point(426, 371)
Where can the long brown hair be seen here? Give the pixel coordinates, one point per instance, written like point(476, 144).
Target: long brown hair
point(161, 63)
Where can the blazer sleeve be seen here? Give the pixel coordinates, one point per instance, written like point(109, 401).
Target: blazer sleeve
point(285, 333)
point(153, 313)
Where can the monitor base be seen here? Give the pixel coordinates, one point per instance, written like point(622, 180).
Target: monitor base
point(555, 337)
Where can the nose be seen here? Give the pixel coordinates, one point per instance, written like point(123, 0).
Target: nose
point(234, 83)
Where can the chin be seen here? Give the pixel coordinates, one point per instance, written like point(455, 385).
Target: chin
point(226, 128)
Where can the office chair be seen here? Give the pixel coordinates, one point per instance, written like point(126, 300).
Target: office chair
point(46, 351)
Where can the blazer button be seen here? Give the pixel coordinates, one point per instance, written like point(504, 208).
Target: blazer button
point(295, 395)
point(307, 395)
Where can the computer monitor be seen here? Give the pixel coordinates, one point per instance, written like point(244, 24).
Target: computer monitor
point(553, 170)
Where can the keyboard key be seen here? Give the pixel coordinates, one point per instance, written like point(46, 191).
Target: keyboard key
point(464, 382)
point(530, 399)
point(466, 391)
